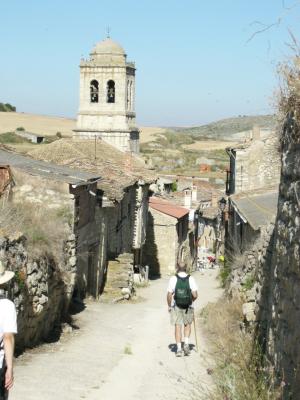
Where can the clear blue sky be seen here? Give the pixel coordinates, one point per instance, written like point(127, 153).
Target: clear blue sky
point(194, 64)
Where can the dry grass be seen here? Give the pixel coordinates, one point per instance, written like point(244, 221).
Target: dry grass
point(45, 230)
point(289, 96)
point(236, 371)
point(149, 134)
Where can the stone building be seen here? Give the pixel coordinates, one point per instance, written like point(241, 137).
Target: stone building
point(249, 212)
point(59, 188)
point(121, 200)
point(42, 238)
point(167, 237)
point(107, 97)
point(254, 164)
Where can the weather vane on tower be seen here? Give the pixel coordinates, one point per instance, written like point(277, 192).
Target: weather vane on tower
point(108, 32)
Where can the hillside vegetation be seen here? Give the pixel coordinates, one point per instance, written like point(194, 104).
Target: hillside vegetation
point(226, 128)
point(186, 150)
point(7, 107)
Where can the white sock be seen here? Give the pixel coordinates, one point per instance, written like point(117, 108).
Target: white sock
point(186, 340)
point(178, 346)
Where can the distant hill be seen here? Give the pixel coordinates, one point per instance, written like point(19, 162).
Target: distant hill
point(226, 128)
point(7, 107)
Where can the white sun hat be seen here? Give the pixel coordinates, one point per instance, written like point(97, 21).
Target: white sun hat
point(5, 275)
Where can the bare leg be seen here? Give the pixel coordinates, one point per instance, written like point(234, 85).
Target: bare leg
point(178, 336)
point(187, 330)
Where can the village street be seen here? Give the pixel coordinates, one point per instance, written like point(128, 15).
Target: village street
point(94, 361)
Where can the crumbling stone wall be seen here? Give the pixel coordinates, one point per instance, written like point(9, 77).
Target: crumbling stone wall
point(282, 283)
point(272, 305)
point(41, 290)
point(249, 272)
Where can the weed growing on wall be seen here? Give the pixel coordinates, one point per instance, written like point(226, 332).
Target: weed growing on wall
point(235, 370)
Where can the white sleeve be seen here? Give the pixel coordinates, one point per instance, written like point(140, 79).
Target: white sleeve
point(193, 284)
point(10, 318)
point(172, 284)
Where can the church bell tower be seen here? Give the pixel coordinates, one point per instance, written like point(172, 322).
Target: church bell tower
point(107, 98)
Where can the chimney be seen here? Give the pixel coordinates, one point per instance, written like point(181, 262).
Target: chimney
point(194, 193)
point(214, 200)
point(256, 132)
point(188, 198)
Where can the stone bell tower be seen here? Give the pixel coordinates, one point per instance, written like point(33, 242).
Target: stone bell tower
point(107, 98)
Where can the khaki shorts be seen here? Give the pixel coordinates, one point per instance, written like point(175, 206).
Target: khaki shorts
point(180, 316)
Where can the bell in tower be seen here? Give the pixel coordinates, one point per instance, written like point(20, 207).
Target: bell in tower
point(107, 98)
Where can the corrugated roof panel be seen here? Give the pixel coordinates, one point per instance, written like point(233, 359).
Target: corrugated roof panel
point(257, 209)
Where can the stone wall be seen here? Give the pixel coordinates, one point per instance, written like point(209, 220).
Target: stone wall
point(41, 290)
point(120, 219)
point(166, 236)
point(272, 300)
point(282, 284)
point(256, 165)
point(248, 274)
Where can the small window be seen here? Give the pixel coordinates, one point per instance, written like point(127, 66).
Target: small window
point(110, 92)
point(94, 91)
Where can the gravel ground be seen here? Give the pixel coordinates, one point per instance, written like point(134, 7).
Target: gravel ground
point(119, 351)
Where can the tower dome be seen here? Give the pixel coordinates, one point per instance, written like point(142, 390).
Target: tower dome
point(108, 46)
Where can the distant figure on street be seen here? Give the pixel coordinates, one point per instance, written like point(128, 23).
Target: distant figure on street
point(8, 327)
point(182, 292)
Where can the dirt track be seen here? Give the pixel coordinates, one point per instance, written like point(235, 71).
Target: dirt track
point(93, 362)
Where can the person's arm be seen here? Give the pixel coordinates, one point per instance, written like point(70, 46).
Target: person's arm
point(171, 288)
point(9, 346)
point(169, 300)
point(194, 294)
point(194, 288)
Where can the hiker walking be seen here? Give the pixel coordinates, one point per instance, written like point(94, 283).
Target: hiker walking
point(8, 327)
point(182, 292)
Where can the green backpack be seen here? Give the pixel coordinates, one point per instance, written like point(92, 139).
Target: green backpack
point(183, 294)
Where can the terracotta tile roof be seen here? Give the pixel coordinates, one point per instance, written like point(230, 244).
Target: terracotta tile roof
point(118, 170)
point(167, 208)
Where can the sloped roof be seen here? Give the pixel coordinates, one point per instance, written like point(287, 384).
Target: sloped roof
point(258, 208)
point(118, 170)
point(46, 170)
point(167, 208)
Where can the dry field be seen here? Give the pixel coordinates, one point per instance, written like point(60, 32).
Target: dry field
point(148, 133)
point(42, 124)
point(209, 145)
point(49, 126)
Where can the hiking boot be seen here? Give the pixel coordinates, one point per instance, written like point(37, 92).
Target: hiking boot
point(186, 350)
point(179, 353)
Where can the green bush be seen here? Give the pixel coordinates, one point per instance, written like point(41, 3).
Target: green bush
point(11, 137)
point(7, 107)
point(174, 187)
point(224, 273)
point(20, 128)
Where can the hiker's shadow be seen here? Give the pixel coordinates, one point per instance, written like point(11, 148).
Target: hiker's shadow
point(173, 347)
